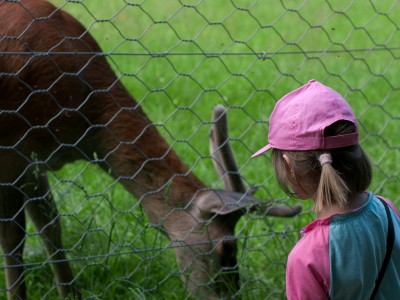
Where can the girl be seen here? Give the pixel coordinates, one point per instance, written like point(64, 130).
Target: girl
point(352, 250)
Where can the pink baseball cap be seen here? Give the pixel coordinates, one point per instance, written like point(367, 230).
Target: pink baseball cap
point(299, 119)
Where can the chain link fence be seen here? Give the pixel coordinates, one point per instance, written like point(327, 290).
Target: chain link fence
point(178, 59)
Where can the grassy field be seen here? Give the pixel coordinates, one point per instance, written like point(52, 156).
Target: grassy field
point(179, 59)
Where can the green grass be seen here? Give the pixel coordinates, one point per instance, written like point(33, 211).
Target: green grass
point(244, 55)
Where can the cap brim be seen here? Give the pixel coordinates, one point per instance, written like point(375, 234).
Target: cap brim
point(262, 150)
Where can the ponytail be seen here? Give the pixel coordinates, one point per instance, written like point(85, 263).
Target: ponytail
point(332, 189)
point(330, 178)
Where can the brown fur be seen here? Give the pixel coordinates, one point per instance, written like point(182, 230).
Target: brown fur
point(59, 107)
point(60, 101)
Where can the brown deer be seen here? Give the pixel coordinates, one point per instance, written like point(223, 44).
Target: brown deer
point(59, 102)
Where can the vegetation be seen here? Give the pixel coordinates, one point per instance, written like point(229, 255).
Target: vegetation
point(179, 59)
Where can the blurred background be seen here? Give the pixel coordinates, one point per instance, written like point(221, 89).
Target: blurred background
point(179, 58)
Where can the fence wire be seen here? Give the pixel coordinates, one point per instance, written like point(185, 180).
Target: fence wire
point(178, 59)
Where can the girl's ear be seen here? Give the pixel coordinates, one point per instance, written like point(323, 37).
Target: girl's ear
point(288, 163)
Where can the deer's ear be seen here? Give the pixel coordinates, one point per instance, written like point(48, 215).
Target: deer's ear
point(238, 199)
point(222, 202)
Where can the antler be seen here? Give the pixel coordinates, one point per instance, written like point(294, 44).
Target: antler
point(226, 166)
point(222, 154)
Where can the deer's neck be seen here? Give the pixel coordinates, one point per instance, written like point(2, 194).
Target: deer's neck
point(138, 156)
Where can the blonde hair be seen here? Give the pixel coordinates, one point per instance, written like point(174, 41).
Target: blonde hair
point(331, 183)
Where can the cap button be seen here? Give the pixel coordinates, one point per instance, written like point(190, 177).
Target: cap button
point(311, 81)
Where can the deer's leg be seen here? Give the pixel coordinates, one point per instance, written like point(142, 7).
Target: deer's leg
point(42, 210)
point(12, 238)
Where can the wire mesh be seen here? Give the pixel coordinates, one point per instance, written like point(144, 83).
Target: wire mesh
point(179, 59)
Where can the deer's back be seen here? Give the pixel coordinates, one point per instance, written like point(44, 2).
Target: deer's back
point(55, 85)
point(60, 101)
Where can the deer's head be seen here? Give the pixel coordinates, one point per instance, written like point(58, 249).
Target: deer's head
point(203, 235)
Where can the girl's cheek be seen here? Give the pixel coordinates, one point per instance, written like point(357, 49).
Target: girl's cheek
point(299, 192)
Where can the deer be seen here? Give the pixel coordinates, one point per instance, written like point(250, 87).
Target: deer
point(60, 101)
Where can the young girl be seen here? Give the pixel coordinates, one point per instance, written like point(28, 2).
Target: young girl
point(352, 250)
